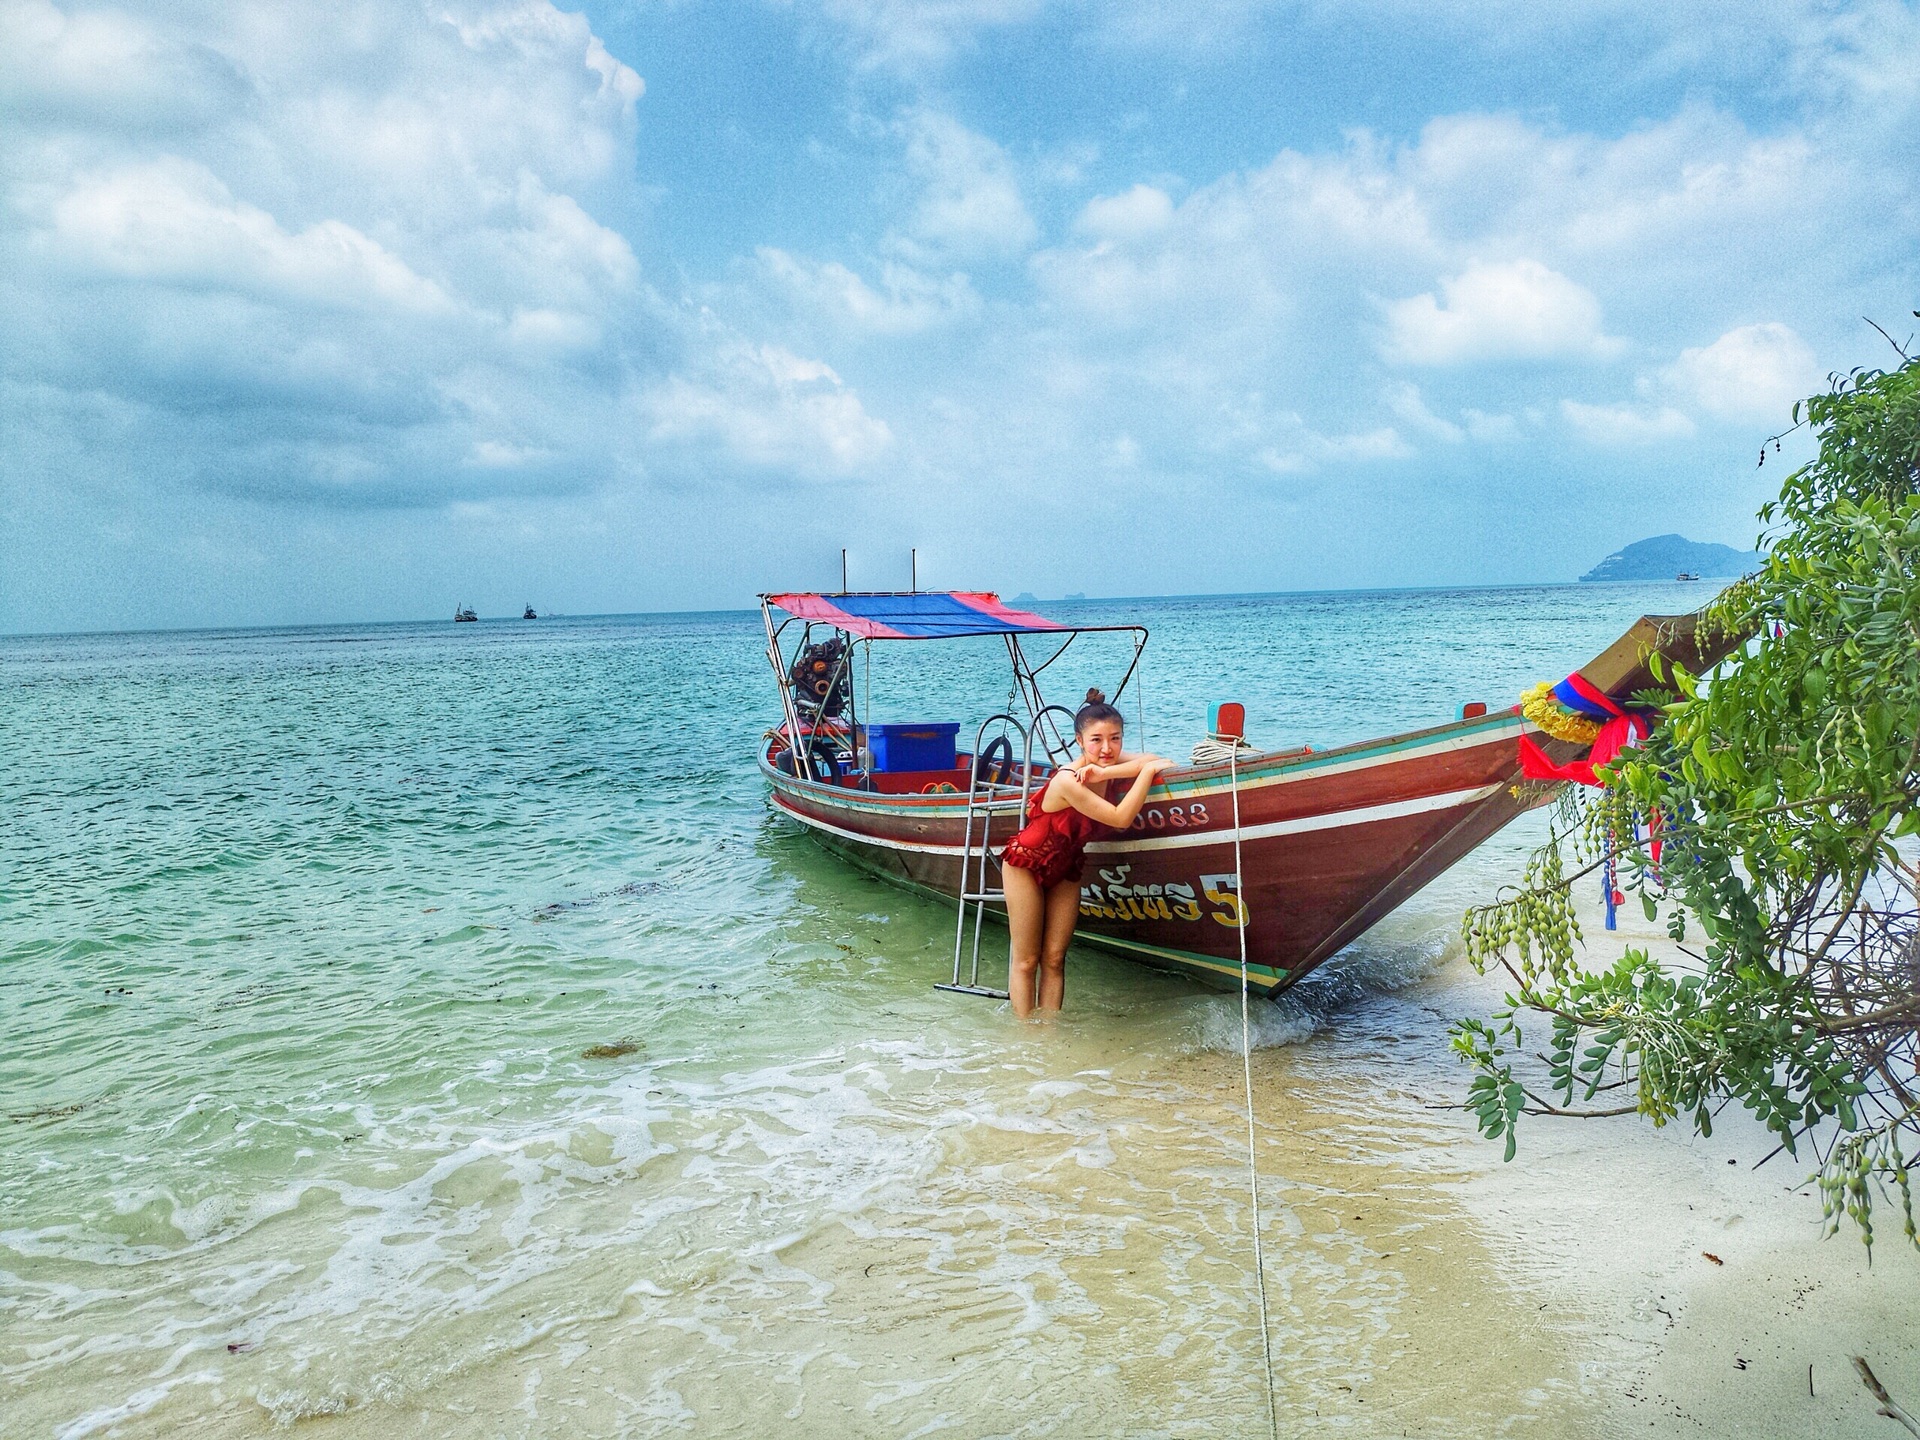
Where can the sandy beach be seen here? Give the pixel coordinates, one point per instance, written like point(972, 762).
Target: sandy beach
point(1614, 1281)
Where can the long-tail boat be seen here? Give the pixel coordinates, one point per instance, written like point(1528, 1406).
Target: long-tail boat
point(1329, 841)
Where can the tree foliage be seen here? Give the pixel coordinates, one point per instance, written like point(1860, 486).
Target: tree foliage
point(1787, 791)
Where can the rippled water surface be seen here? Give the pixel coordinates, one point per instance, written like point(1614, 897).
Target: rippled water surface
point(429, 1027)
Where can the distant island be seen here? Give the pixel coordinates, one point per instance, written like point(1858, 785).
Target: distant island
point(1665, 556)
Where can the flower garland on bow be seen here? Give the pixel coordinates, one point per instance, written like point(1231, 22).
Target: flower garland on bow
point(1539, 706)
point(1579, 712)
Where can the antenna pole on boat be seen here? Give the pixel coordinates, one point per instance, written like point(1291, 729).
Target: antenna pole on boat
point(843, 569)
point(913, 571)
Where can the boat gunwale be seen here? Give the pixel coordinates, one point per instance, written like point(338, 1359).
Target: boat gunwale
point(1260, 770)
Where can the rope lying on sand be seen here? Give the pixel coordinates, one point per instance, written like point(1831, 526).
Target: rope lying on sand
point(1246, 1064)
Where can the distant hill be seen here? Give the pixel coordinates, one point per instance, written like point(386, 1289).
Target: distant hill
point(1665, 556)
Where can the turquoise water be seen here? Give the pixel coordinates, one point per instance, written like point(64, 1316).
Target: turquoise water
point(416, 1023)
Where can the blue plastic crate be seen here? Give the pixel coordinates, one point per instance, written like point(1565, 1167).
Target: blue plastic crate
point(912, 747)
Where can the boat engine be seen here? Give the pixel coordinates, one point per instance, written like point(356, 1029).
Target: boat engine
point(822, 680)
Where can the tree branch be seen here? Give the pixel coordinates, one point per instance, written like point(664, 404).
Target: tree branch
point(1888, 1407)
point(1899, 350)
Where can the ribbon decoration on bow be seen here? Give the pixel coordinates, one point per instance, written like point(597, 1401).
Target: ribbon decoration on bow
point(1613, 728)
point(1620, 729)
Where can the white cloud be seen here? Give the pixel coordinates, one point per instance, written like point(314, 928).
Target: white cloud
point(1307, 450)
point(907, 302)
point(552, 249)
point(1489, 428)
point(1753, 373)
point(1143, 210)
point(912, 35)
point(1626, 426)
point(1512, 310)
point(391, 267)
point(106, 66)
point(499, 455)
point(538, 329)
point(970, 203)
point(1403, 399)
point(171, 221)
point(770, 409)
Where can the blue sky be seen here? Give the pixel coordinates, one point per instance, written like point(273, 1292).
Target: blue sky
point(352, 310)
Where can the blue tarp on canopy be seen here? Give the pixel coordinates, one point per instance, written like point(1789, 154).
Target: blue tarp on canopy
point(920, 615)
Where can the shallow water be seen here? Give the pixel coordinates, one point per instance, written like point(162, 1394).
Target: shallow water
point(420, 1023)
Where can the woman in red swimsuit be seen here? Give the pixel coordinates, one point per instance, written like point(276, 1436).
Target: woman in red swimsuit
point(1040, 868)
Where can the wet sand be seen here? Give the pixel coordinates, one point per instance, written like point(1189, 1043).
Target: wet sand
point(1074, 1261)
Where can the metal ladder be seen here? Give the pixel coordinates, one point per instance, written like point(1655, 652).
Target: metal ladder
point(986, 799)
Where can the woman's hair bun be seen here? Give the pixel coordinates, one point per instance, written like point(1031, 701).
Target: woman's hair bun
point(1096, 709)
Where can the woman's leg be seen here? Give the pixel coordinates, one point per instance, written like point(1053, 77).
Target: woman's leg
point(1063, 913)
point(1026, 920)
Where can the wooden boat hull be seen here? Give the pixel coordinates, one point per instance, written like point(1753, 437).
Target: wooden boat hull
point(1330, 841)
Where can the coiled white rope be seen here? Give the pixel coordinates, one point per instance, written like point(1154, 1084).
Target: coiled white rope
point(1214, 750)
point(1246, 1064)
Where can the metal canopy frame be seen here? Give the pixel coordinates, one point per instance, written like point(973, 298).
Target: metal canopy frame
point(1026, 675)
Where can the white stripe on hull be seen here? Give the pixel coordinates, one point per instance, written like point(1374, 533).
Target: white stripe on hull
point(1331, 820)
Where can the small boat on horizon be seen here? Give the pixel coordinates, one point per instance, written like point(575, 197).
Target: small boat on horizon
point(1686, 575)
point(529, 615)
point(1329, 842)
point(464, 613)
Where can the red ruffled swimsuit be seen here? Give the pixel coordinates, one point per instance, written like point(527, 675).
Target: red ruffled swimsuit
point(1053, 846)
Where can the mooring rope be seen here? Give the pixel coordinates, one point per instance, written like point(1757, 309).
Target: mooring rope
point(1246, 1065)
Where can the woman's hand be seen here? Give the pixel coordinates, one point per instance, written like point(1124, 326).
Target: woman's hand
point(1076, 791)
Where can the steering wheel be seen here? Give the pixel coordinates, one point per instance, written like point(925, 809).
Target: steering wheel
point(994, 763)
point(823, 761)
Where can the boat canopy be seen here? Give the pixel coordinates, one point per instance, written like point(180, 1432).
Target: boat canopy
point(919, 614)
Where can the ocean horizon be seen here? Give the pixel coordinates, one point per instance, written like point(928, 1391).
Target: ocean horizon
point(1706, 588)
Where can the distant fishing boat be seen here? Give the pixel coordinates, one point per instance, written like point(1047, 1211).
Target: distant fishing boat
point(464, 613)
point(1330, 841)
point(528, 614)
point(1686, 575)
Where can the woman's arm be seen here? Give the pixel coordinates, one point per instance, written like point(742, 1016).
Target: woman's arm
point(1098, 807)
point(1125, 768)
